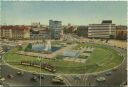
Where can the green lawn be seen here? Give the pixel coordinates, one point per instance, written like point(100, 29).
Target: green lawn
point(101, 58)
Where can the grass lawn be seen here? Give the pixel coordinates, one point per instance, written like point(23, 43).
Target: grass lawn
point(101, 58)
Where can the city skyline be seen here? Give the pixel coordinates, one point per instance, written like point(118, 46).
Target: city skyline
point(77, 13)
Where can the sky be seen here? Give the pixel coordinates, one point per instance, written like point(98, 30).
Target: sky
point(73, 12)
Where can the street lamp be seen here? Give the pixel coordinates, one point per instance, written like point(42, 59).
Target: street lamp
point(40, 59)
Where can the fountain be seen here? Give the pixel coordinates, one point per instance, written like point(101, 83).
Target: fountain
point(48, 46)
point(45, 46)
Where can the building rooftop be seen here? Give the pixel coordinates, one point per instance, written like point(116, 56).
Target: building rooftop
point(15, 27)
point(107, 22)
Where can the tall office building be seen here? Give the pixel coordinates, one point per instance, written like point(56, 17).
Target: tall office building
point(55, 29)
point(104, 30)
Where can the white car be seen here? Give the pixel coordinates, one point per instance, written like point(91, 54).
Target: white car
point(100, 79)
point(2, 79)
point(108, 73)
point(20, 73)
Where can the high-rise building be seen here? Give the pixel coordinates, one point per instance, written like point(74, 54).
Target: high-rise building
point(104, 30)
point(55, 28)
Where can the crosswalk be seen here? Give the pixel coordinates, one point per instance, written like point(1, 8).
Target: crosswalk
point(76, 80)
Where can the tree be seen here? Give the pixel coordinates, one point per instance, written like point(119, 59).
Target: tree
point(29, 47)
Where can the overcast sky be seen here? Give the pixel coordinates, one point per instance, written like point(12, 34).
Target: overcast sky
point(77, 13)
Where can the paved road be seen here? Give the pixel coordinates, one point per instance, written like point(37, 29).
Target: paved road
point(24, 80)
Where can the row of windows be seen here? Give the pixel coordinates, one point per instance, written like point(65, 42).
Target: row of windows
point(101, 28)
point(98, 35)
point(101, 32)
point(101, 25)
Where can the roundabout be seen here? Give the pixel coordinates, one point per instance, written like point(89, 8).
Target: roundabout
point(72, 76)
point(92, 58)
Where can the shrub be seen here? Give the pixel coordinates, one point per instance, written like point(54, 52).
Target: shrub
point(29, 47)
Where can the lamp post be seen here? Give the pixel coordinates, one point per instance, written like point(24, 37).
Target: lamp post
point(40, 69)
point(0, 63)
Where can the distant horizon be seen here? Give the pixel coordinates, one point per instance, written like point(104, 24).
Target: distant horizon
point(63, 24)
point(73, 12)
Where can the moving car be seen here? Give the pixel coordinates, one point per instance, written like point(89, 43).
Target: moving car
point(10, 76)
point(57, 79)
point(20, 73)
point(115, 69)
point(34, 78)
point(100, 79)
point(2, 79)
point(108, 73)
point(77, 78)
point(34, 73)
point(41, 76)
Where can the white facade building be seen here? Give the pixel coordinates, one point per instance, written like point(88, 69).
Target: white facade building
point(103, 30)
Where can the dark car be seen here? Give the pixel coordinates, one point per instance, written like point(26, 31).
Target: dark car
point(41, 76)
point(115, 69)
point(34, 78)
point(10, 76)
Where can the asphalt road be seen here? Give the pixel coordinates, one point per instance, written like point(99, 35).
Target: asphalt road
point(24, 80)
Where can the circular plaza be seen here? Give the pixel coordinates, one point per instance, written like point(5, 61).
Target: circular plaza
point(64, 57)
